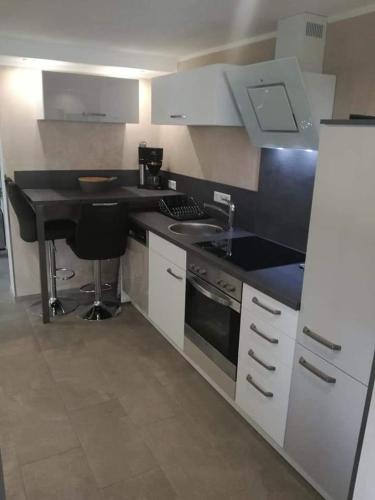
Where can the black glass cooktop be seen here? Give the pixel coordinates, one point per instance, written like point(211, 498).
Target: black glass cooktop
point(252, 253)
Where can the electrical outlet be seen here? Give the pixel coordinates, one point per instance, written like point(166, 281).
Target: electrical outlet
point(223, 198)
point(172, 185)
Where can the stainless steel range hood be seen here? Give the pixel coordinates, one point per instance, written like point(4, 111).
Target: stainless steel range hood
point(281, 105)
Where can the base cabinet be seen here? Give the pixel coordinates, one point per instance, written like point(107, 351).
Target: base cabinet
point(166, 307)
point(323, 422)
point(265, 361)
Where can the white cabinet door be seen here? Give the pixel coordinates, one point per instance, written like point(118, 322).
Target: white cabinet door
point(197, 97)
point(324, 420)
point(88, 98)
point(166, 306)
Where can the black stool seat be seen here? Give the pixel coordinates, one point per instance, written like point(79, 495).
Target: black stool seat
point(59, 229)
point(101, 233)
point(56, 229)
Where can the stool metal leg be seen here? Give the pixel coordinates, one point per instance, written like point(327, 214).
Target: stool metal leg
point(100, 310)
point(57, 306)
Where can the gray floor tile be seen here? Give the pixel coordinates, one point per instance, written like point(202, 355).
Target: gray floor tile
point(23, 371)
point(78, 376)
point(150, 486)
point(174, 440)
point(63, 477)
point(114, 448)
point(38, 424)
point(146, 401)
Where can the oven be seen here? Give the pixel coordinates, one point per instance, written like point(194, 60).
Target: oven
point(213, 313)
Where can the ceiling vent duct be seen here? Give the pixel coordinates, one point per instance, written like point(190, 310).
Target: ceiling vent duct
point(302, 36)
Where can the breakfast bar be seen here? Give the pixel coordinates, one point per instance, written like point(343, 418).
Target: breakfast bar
point(46, 199)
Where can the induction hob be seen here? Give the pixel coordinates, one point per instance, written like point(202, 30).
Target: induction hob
point(252, 252)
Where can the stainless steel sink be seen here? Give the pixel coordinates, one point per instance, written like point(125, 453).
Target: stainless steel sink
point(195, 228)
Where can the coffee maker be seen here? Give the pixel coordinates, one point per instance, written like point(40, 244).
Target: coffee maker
point(150, 161)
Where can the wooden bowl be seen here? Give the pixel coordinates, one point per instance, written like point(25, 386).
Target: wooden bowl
point(96, 184)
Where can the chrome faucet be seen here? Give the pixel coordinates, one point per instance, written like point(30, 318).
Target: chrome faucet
point(228, 213)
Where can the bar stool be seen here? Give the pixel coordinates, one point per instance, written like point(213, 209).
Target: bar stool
point(54, 230)
point(101, 234)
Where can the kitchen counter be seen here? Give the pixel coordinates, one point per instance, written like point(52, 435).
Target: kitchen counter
point(283, 283)
point(68, 196)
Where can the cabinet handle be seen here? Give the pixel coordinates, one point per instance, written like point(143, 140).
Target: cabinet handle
point(178, 116)
point(265, 393)
point(103, 115)
point(265, 365)
point(257, 302)
point(271, 340)
point(105, 204)
point(169, 271)
point(321, 340)
point(327, 378)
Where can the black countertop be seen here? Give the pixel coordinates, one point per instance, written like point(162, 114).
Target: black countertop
point(367, 122)
point(129, 194)
point(283, 283)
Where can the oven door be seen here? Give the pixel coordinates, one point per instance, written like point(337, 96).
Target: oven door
point(212, 323)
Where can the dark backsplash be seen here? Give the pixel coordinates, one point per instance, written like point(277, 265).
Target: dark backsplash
point(283, 206)
point(203, 191)
point(280, 209)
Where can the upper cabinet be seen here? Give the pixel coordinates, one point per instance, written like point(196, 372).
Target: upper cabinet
point(197, 97)
point(89, 98)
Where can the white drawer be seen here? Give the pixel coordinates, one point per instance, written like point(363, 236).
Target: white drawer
point(270, 310)
point(270, 342)
point(268, 412)
point(167, 250)
point(277, 381)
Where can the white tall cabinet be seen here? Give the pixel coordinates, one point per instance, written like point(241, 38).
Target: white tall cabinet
point(336, 328)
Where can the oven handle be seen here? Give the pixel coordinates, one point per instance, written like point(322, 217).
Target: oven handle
point(202, 288)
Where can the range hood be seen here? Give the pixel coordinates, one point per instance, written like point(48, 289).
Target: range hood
point(282, 101)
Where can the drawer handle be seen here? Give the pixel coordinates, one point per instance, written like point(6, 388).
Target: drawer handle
point(265, 393)
point(321, 340)
point(102, 115)
point(257, 302)
point(265, 365)
point(169, 271)
point(327, 378)
point(178, 116)
point(271, 340)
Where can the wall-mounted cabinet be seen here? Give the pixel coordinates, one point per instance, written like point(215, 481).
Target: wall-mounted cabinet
point(89, 98)
point(197, 97)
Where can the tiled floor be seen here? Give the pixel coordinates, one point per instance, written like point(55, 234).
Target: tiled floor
point(110, 410)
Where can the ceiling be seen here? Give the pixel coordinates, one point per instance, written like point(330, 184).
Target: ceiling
point(171, 27)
